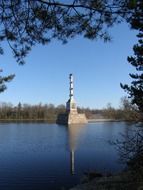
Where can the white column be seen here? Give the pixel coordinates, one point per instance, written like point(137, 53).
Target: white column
point(71, 86)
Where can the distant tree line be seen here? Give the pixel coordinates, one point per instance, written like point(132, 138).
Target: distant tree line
point(30, 112)
point(49, 112)
point(126, 111)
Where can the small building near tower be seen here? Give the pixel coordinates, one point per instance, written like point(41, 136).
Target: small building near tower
point(71, 116)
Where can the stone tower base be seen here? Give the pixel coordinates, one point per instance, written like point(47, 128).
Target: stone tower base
point(71, 118)
point(76, 118)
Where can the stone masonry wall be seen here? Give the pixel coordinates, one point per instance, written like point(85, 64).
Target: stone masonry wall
point(76, 118)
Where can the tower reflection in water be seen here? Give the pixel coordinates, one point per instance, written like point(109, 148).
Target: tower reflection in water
point(74, 132)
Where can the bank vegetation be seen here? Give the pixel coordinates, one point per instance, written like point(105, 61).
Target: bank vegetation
point(49, 112)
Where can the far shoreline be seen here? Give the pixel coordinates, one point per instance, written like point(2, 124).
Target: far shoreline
point(90, 121)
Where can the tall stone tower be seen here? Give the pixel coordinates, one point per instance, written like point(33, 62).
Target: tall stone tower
point(71, 116)
point(71, 105)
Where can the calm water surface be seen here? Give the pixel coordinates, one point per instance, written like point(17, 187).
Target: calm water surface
point(40, 156)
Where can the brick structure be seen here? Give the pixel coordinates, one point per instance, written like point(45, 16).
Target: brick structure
point(71, 116)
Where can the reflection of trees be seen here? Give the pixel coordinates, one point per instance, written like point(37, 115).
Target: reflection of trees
point(130, 149)
point(74, 132)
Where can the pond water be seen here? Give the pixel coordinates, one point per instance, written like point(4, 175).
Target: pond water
point(41, 156)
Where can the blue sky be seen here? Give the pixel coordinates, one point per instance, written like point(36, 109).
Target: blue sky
point(98, 69)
